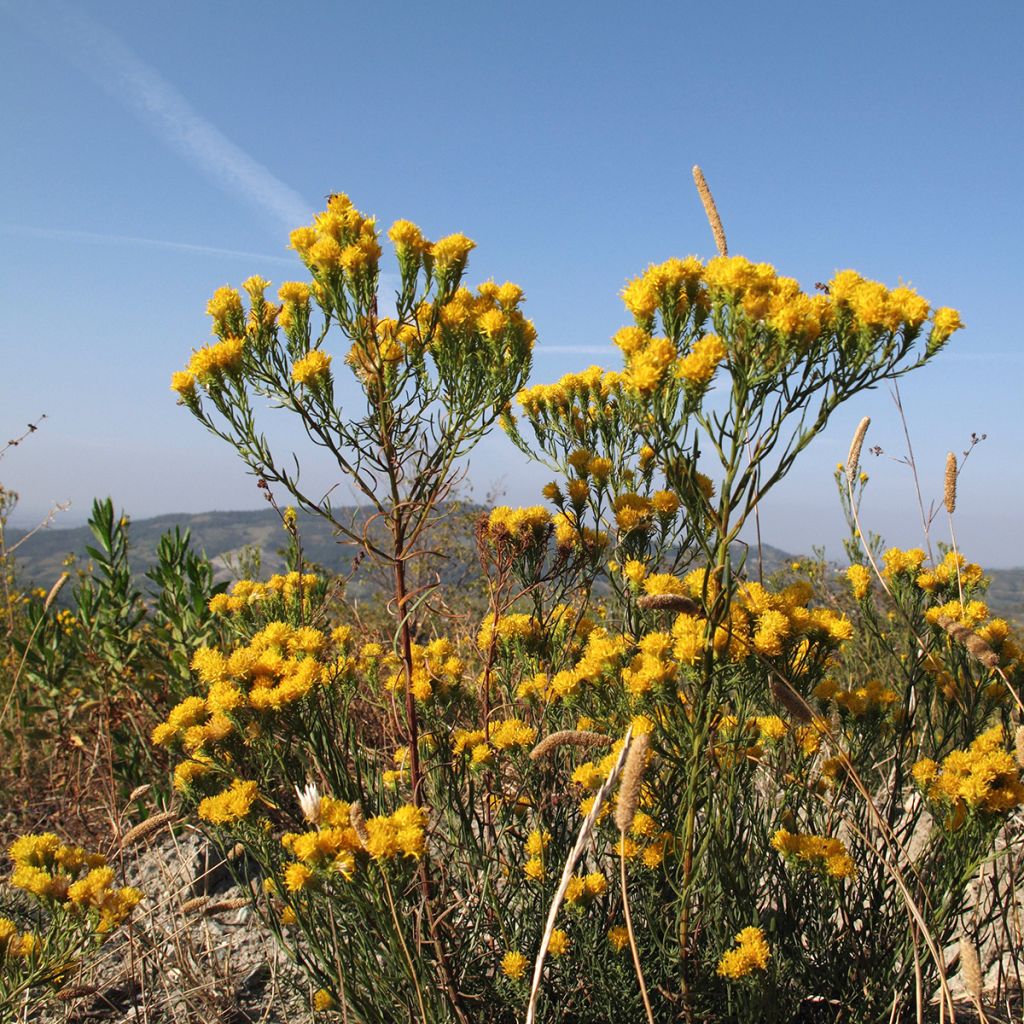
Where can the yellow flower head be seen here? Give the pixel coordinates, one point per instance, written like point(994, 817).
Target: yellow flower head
point(311, 368)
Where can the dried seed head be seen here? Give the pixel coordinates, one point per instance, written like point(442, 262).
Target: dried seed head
point(632, 778)
point(1018, 741)
point(949, 497)
point(668, 602)
point(569, 738)
point(853, 459)
point(970, 968)
point(711, 210)
point(222, 906)
point(138, 792)
point(790, 700)
point(70, 993)
point(55, 590)
point(148, 828)
point(976, 647)
point(199, 903)
point(358, 820)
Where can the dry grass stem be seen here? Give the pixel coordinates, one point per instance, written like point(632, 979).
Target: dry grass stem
point(569, 738)
point(577, 851)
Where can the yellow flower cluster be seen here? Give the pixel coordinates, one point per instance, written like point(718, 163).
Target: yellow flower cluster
point(341, 239)
point(602, 654)
point(896, 562)
point(673, 287)
point(334, 847)
point(522, 527)
point(246, 593)
point(860, 700)
point(953, 571)
point(225, 308)
point(761, 623)
point(632, 511)
point(663, 583)
point(435, 669)
point(568, 534)
point(536, 843)
point(859, 577)
point(15, 945)
point(80, 881)
point(574, 397)
point(312, 369)
point(209, 363)
point(558, 944)
point(984, 777)
point(584, 889)
point(490, 313)
point(517, 628)
point(652, 667)
point(279, 666)
point(230, 805)
point(505, 734)
point(751, 953)
point(967, 613)
point(822, 852)
point(699, 365)
point(514, 964)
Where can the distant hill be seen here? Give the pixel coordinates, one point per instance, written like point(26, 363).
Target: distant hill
point(224, 536)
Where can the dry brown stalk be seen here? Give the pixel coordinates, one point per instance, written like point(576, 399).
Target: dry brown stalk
point(569, 738)
point(949, 495)
point(669, 602)
point(358, 820)
point(976, 647)
point(853, 459)
point(632, 779)
point(149, 827)
point(1018, 740)
point(711, 210)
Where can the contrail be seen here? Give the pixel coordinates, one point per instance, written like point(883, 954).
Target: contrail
point(69, 235)
point(104, 58)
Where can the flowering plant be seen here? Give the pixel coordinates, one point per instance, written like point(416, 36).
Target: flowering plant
point(787, 822)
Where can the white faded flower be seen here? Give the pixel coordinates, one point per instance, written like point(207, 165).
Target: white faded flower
point(309, 802)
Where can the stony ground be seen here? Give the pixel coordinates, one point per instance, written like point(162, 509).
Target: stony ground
point(195, 952)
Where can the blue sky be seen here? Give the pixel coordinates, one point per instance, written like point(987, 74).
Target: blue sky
point(154, 152)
